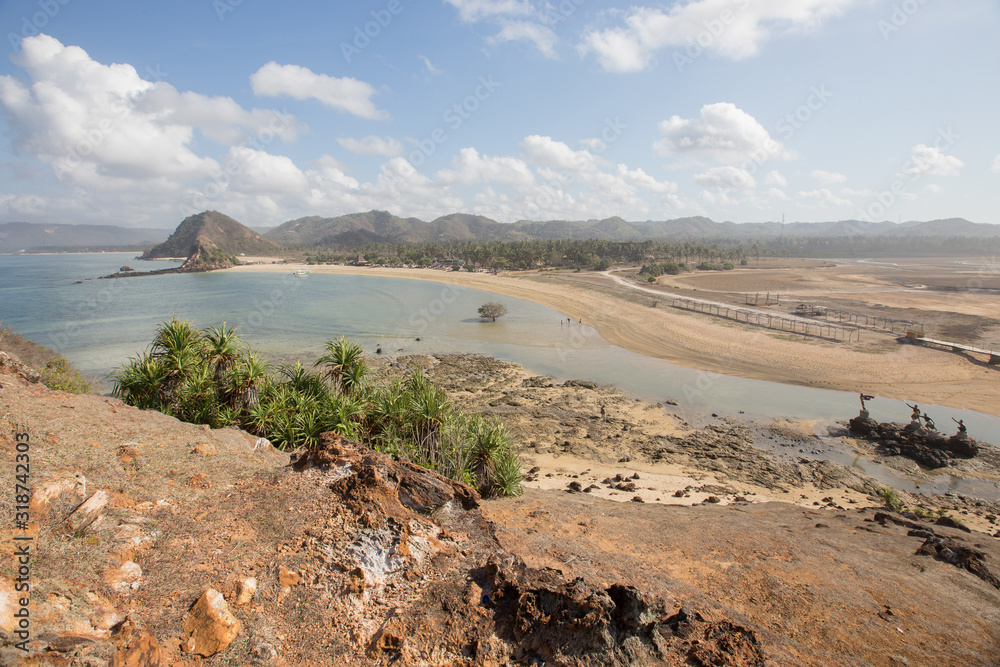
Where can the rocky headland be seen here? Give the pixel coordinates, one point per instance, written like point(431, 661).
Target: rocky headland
point(155, 542)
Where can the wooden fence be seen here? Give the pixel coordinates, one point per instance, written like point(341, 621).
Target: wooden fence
point(770, 320)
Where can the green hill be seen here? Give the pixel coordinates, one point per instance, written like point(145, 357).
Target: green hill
point(211, 237)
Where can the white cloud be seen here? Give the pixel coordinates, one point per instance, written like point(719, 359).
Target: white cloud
point(430, 66)
point(931, 161)
point(827, 177)
point(824, 197)
point(477, 10)
point(344, 94)
point(517, 20)
point(103, 125)
point(723, 132)
point(548, 152)
point(726, 178)
point(777, 194)
point(541, 36)
point(776, 179)
point(733, 30)
point(260, 173)
point(639, 178)
point(373, 145)
point(469, 167)
point(932, 189)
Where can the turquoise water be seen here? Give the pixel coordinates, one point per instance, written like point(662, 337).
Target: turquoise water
point(98, 324)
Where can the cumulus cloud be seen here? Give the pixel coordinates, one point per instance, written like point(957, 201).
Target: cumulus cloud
point(723, 132)
point(726, 178)
point(931, 161)
point(733, 30)
point(823, 197)
point(469, 167)
point(541, 36)
point(776, 179)
point(639, 178)
point(343, 94)
point(548, 152)
point(105, 125)
point(827, 177)
point(373, 145)
point(258, 172)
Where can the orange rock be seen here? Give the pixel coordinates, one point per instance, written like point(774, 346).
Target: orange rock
point(210, 626)
point(288, 578)
point(246, 590)
point(136, 647)
point(205, 449)
point(200, 481)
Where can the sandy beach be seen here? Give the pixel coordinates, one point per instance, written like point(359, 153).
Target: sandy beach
point(904, 372)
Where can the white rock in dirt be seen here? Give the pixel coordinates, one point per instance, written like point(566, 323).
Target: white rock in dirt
point(84, 515)
point(246, 590)
point(125, 578)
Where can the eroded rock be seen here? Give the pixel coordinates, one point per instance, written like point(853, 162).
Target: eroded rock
point(210, 626)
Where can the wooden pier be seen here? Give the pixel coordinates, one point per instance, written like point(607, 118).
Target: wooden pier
point(994, 358)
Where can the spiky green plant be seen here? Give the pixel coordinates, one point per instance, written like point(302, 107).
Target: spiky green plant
point(341, 355)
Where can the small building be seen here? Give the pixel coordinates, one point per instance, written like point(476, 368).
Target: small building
point(361, 261)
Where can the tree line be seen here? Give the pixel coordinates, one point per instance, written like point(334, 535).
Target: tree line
point(600, 254)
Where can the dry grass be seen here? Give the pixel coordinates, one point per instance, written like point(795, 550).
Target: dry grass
point(56, 371)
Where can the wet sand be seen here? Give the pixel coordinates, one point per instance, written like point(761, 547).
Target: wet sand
point(880, 367)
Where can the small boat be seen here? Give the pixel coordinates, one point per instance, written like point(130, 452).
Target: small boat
point(301, 273)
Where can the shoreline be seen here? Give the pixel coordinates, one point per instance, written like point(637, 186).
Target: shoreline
point(699, 342)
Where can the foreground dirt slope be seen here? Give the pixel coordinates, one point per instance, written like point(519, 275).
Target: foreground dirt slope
point(823, 587)
point(211, 549)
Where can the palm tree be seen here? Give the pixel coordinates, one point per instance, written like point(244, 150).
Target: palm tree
point(341, 355)
point(246, 380)
point(140, 383)
point(223, 346)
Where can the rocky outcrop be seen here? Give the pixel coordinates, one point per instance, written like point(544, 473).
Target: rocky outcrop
point(210, 627)
point(926, 446)
point(11, 365)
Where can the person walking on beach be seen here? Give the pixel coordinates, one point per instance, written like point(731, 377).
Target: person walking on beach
point(603, 414)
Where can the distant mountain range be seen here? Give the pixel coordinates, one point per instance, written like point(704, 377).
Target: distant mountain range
point(380, 226)
point(15, 236)
point(215, 230)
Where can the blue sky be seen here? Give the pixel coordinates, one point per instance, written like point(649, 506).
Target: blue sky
point(139, 114)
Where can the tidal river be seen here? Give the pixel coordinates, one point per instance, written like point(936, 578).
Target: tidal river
point(98, 324)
